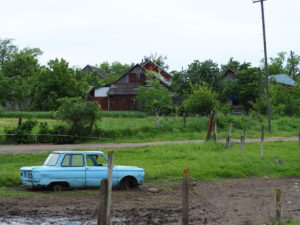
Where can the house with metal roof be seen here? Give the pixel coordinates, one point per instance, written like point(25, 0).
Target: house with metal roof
point(282, 79)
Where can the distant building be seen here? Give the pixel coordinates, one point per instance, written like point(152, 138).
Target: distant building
point(89, 69)
point(282, 79)
point(120, 94)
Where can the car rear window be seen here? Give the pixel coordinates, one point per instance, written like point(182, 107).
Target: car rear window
point(72, 160)
point(51, 160)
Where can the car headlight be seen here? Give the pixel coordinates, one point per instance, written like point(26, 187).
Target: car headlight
point(30, 175)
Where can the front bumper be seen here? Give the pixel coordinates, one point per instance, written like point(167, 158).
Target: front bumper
point(30, 183)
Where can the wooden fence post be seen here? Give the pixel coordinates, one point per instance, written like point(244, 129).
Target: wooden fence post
point(185, 197)
point(109, 178)
point(215, 135)
point(210, 124)
point(228, 137)
point(243, 140)
point(278, 205)
point(230, 134)
point(262, 137)
point(299, 141)
point(102, 208)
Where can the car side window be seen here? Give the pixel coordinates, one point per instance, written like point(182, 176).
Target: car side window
point(72, 160)
point(95, 160)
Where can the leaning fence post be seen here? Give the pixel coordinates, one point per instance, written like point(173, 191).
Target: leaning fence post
point(278, 205)
point(262, 137)
point(103, 203)
point(185, 197)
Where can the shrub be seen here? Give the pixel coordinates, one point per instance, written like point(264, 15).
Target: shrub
point(22, 133)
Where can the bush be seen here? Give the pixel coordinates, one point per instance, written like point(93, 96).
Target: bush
point(60, 135)
point(79, 114)
point(22, 133)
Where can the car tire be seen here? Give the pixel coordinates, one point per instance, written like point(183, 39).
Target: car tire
point(128, 183)
point(57, 187)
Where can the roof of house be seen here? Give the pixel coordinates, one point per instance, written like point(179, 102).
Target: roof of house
point(142, 65)
point(283, 79)
point(101, 72)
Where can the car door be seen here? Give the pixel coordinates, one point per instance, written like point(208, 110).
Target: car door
point(96, 170)
point(72, 170)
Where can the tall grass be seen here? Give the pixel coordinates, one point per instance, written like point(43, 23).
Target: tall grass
point(141, 129)
point(206, 161)
point(26, 114)
point(51, 114)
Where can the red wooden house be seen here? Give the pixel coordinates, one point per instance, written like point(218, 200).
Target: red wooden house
point(120, 94)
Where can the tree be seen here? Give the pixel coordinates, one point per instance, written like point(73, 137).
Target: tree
point(246, 87)
point(277, 64)
point(160, 60)
point(197, 73)
point(201, 101)
point(18, 72)
point(79, 114)
point(7, 49)
point(56, 80)
point(154, 99)
point(234, 65)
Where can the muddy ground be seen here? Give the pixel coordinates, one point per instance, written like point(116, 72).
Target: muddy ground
point(240, 201)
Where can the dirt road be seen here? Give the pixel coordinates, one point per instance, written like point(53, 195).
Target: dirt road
point(38, 148)
point(240, 201)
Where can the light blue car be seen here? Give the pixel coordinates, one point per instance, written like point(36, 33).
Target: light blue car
point(78, 169)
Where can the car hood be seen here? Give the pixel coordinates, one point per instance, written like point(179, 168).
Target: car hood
point(31, 168)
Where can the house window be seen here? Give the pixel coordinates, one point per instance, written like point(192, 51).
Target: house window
point(133, 78)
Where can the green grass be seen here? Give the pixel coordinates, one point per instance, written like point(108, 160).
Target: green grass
point(51, 114)
point(142, 129)
point(206, 161)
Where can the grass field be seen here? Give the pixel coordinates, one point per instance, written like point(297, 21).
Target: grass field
point(141, 129)
point(206, 161)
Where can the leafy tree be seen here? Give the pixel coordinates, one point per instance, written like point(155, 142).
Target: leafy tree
point(234, 65)
point(160, 60)
point(55, 81)
point(293, 66)
point(246, 87)
point(197, 73)
point(154, 99)
point(18, 73)
point(277, 64)
point(202, 100)
point(79, 114)
point(7, 49)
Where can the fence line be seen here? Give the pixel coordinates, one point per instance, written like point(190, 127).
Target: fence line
point(54, 135)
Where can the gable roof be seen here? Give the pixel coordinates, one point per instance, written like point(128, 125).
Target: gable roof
point(283, 79)
point(90, 68)
point(142, 66)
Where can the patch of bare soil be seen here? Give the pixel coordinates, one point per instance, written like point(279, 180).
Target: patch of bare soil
point(240, 201)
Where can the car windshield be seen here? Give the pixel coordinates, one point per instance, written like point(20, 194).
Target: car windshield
point(51, 160)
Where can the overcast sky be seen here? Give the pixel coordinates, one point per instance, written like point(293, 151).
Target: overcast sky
point(91, 31)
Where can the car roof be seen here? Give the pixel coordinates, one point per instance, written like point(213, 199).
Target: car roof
point(78, 152)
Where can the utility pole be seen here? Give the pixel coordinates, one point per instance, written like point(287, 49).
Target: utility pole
point(293, 65)
point(266, 63)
